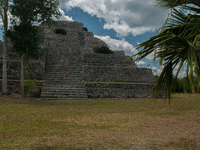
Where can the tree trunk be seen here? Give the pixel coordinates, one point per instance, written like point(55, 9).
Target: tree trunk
point(22, 76)
point(4, 70)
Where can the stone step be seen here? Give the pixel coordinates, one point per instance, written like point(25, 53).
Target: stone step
point(59, 61)
point(63, 72)
point(69, 95)
point(64, 85)
point(59, 73)
point(61, 84)
point(63, 77)
point(106, 65)
point(69, 80)
point(47, 98)
point(66, 91)
point(50, 70)
point(63, 89)
point(52, 79)
point(63, 93)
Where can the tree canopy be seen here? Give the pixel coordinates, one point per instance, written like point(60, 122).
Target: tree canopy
point(24, 36)
point(34, 11)
point(26, 41)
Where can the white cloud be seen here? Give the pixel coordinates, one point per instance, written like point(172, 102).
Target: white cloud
point(150, 56)
point(182, 72)
point(118, 45)
point(63, 17)
point(125, 17)
point(9, 17)
point(156, 71)
point(140, 63)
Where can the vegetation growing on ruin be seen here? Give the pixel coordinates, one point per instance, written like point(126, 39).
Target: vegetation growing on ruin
point(30, 83)
point(102, 50)
point(60, 31)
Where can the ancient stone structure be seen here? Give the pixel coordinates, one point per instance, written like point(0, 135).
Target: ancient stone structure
point(70, 69)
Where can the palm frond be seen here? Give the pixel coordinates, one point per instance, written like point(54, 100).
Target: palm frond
point(176, 44)
point(175, 3)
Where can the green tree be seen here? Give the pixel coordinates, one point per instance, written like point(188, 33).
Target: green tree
point(178, 85)
point(176, 44)
point(4, 16)
point(25, 40)
point(24, 36)
point(34, 11)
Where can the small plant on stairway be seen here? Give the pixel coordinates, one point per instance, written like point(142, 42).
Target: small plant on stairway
point(60, 31)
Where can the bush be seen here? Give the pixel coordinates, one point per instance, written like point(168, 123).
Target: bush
point(103, 50)
point(96, 49)
point(178, 86)
point(28, 85)
point(60, 31)
point(85, 29)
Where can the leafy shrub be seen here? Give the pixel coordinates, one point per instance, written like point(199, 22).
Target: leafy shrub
point(178, 86)
point(103, 50)
point(96, 49)
point(28, 85)
point(181, 85)
point(60, 31)
point(27, 74)
point(85, 29)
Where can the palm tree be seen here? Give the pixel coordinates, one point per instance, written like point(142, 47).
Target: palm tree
point(176, 44)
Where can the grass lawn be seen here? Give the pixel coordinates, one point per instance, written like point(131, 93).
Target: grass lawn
point(100, 124)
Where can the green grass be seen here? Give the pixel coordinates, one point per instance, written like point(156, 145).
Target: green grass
point(100, 124)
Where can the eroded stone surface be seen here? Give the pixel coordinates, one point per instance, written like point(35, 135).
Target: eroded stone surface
point(69, 68)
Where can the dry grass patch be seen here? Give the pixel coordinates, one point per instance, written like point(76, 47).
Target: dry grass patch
point(100, 124)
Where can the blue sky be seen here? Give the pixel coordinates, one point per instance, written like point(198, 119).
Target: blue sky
point(122, 24)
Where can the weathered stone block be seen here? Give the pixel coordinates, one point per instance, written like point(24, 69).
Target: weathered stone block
point(69, 61)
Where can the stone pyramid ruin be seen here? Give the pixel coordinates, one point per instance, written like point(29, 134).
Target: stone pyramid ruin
point(70, 69)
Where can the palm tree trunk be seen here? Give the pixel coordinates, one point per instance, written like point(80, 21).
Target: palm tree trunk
point(22, 77)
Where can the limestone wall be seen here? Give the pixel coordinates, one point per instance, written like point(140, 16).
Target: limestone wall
point(118, 90)
point(113, 68)
point(69, 62)
point(34, 67)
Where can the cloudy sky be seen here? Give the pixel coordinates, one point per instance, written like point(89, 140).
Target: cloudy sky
point(122, 24)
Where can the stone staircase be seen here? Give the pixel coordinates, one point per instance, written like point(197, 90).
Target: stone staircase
point(63, 74)
point(63, 83)
point(62, 93)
